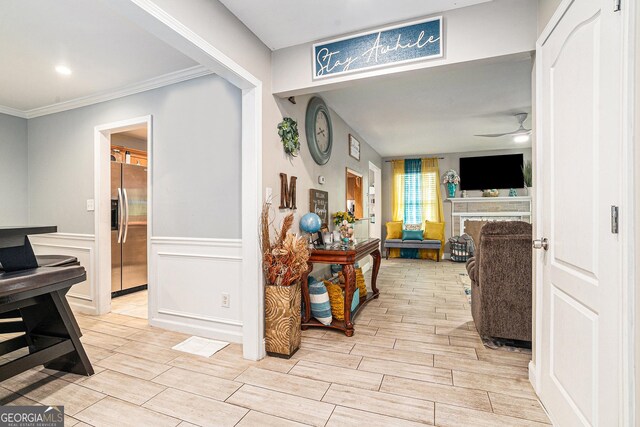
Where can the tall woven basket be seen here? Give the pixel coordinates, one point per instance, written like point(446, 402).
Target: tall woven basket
point(282, 320)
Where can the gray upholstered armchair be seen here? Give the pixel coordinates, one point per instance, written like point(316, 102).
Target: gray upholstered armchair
point(501, 280)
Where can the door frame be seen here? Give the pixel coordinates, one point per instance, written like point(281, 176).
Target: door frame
point(627, 303)
point(377, 172)
point(102, 191)
point(148, 16)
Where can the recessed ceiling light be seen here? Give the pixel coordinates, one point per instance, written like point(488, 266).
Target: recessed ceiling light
point(521, 138)
point(64, 70)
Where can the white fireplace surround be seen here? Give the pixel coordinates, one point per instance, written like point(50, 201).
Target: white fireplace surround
point(488, 209)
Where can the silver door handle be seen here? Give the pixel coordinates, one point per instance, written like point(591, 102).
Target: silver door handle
point(120, 215)
point(541, 244)
point(126, 220)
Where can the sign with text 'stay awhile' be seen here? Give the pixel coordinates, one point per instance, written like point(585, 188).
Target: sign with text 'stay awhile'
point(388, 46)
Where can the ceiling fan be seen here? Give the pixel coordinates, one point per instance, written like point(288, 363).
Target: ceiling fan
point(520, 132)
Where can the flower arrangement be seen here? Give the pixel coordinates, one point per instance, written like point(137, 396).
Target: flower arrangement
point(451, 177)
point(341, 216)
point(288, 131)
point(284, 259)
point(346, 231)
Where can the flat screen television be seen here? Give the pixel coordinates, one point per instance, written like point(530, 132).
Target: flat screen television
point(485, 173)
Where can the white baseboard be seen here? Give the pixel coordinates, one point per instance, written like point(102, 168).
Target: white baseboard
point(532, 375)
point(201, 331)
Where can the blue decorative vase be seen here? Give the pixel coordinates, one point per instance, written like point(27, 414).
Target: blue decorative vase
point(452, 189)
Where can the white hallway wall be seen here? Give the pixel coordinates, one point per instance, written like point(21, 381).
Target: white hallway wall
point(196, 235)
point(13, 170)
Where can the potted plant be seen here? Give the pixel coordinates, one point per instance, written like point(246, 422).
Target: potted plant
point(452, 179)
point(284, 260)
point(288, 131)
point(527, 174)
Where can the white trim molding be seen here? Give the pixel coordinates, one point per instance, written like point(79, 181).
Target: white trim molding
point(102, 191)
point(108, 95)
point(182, 268)
point(12, 112)
point(82, 246)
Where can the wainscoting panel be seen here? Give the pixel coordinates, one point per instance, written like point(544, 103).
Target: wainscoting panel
point(188, 280)
point(82, 246)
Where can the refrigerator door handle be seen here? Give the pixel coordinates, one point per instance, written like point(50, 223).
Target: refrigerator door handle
point(120, 215)
point(126, 215)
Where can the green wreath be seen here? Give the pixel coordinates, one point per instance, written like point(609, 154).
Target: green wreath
point(288, 131)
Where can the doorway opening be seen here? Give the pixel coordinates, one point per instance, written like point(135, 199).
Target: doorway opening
point(375, 196)
point(354, 194)
point(123, 188)
point(129, 235)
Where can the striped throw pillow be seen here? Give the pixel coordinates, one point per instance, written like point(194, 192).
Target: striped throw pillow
point(320, 306)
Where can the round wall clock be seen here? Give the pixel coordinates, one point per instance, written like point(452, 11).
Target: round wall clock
point(319, 130)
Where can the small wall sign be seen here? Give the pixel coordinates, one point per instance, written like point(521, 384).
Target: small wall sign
point(398, 44)
point(319, 204)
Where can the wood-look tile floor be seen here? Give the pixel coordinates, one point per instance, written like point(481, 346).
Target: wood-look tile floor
point(415, 359)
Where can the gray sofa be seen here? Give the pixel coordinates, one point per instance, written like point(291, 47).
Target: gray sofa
point(501, 280)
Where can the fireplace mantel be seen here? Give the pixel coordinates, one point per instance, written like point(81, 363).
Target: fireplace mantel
point(488, 209)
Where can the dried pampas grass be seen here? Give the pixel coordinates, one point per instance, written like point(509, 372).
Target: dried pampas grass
point(284, 260)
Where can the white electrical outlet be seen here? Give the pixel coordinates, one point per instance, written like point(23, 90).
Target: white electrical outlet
point(225, 300)
point(91, 205)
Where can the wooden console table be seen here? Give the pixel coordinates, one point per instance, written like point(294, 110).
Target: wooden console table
point(347, 258)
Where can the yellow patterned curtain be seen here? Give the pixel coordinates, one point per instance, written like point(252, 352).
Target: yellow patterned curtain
point(432, 209)
point(397, 197)
point(397, 190)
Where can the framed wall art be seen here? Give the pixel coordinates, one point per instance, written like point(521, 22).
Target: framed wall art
point(354, 147)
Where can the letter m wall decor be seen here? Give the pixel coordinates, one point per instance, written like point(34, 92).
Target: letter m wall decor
point(399, 44)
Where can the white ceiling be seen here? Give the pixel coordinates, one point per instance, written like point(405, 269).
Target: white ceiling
point(284, 23)
point(104, 50)
point(439, 109)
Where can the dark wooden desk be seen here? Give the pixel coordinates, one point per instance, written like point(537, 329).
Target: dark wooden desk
point(15, 249)
point(347, 258)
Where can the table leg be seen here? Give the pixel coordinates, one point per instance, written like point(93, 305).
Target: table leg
point(304, 287)
point(349, 285)
point(52, 317)
point(374, 274)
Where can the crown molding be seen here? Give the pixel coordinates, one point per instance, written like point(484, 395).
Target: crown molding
point(150, 84)
point(13, 112)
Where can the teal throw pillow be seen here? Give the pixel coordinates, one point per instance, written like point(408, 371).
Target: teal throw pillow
point(319, 299)
point(412, 235)
point(355, 301)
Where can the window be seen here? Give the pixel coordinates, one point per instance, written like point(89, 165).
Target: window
point(416, 191)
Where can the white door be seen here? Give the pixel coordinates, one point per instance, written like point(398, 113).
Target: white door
point(579, 148)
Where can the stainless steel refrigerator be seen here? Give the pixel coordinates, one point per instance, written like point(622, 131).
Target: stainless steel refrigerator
point(128, 226)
